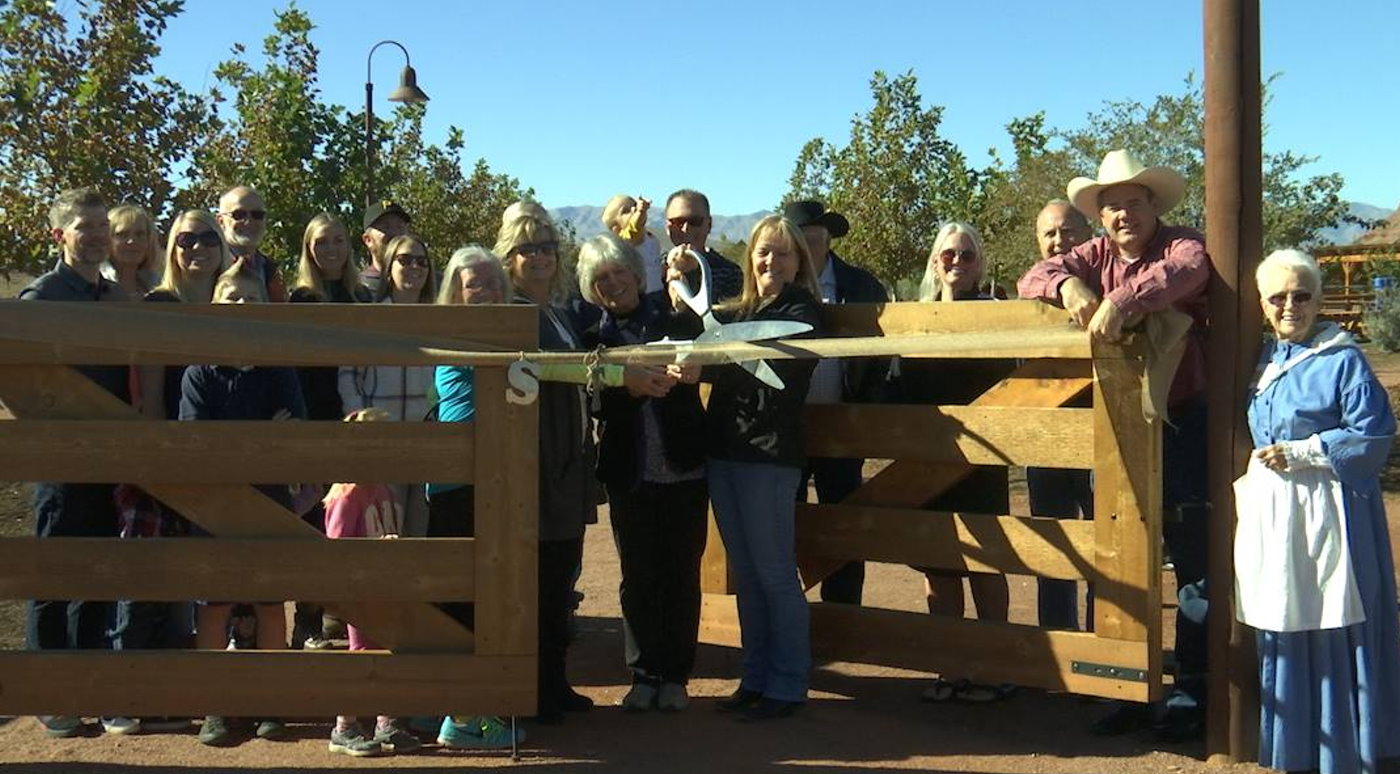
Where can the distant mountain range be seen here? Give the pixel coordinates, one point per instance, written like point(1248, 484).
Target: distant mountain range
point(587, 222)
point(1349, 233)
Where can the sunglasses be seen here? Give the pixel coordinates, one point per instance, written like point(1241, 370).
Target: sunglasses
point(242, 215)
point(186, 240)
point(420, 261)
point(1298, 297)
point(966, 256)
point(694, 221)
point(537, 248)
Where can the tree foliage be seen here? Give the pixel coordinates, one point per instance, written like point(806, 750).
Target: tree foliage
point(83, 107)
point(88, 110)
point(891, 181)
point(895, 179)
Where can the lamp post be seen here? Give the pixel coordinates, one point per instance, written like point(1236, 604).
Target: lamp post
point(407, 92)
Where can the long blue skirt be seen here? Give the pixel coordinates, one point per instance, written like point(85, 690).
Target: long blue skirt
point(1330, 700)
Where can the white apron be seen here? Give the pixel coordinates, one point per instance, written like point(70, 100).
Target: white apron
point(1292, 561)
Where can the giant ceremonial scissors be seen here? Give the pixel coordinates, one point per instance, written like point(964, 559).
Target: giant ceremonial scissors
point(716, 332)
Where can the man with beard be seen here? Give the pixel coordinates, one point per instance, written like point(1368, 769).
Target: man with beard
point(78, 220)
point(242, 217)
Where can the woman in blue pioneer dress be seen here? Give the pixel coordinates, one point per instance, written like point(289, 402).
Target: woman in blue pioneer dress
point(1314, 573)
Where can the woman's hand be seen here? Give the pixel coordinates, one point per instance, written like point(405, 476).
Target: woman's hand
point(1274, 457)
point(647, 381)
point(686, 373)
point(677, 263)
point(282, 415)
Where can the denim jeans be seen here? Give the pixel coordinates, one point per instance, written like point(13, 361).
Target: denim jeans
point(836, 478)
point(755, 509)
point(1185, 528)
point(1061, 494)
point(71, 510)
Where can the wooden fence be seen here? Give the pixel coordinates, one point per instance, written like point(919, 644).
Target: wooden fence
point(68, 429)
point(1020, 421)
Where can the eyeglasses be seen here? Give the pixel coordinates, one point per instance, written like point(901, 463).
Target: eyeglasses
point(187, 240)
point(966, 256)
point(694, 221)
point(408, 259)
point(242, 215)
point(1298, 297)
point(534, 249)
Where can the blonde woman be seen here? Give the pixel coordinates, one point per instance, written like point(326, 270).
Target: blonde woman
point(528, 246)
point(754, 450)
point(326, 271)
point(956, 266)
point(135, 262)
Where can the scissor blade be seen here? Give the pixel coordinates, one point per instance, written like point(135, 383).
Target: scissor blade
point(764, 373)
point(753, 330)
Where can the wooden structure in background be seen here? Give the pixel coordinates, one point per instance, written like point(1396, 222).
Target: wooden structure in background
point(68, 429)
point(1020, 421)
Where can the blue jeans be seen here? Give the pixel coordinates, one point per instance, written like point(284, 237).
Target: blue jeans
point(71, 510)
point(836, 479)
point(755, 509)
point(1061, 494)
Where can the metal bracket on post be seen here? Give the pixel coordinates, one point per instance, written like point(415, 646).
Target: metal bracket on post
point(1108, 671)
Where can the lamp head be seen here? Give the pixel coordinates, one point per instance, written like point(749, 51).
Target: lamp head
point(408, 90)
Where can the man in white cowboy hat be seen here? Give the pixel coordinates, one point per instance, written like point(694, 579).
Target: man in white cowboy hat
point(1143, 265)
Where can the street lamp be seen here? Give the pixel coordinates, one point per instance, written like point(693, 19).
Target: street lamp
point(407, 92)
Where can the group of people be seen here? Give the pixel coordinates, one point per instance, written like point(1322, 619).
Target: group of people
point(1329, 661)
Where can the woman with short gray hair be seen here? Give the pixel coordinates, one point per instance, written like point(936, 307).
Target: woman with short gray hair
point(1314, 575)
point(651, 460)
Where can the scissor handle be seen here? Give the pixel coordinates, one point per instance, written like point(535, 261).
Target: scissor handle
point(699, 301)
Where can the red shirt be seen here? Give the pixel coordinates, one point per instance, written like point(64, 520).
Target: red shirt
point(1173, 273)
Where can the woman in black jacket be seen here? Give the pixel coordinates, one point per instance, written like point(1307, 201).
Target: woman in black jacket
point(651, 455)
point(754, 445)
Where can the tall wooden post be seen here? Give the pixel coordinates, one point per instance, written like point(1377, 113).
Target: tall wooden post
point(1234, 235)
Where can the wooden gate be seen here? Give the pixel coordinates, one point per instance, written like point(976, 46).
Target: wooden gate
point(68, 429)
point(1021, 421)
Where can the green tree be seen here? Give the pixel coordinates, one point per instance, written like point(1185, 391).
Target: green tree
point(306, 156)
point(896, 179)
point(83, 107)
point(280, 138)
point(1170, 131)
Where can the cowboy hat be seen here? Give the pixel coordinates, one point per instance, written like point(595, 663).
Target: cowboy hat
point(813, 213)
point(1121, 166)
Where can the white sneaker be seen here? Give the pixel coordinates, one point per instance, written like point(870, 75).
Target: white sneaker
point(640, 698)
point(672, 698)
point(121, 726)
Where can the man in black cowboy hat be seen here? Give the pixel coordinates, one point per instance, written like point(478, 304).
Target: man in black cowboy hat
point(383, 221)
point(857, 380)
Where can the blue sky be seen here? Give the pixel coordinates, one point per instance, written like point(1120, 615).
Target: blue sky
point(584, 100)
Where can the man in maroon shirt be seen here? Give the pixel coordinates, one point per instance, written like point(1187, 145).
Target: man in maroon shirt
point(1108, 284)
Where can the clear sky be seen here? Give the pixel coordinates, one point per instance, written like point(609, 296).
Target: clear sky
point(583, 100)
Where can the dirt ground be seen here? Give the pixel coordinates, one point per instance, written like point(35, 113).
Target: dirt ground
point(859, 717)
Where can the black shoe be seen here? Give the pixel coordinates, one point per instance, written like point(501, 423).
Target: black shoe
point(1124, 719)
point(1180, 725)
point(741, 699)
point(770, 709)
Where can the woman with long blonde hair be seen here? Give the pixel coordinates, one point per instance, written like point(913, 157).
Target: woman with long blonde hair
point(135, 262)
point(326, 271)
point(754, 463)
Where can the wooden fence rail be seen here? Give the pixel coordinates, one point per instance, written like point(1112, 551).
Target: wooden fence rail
point(68, 429)
point(1024, 420)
